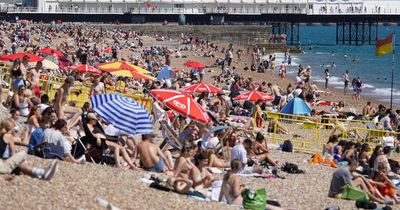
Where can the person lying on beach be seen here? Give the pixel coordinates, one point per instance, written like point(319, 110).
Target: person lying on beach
point(10, 159)
point(231, 190)
point(214, 160)
point(150, 155)
point(275, 124)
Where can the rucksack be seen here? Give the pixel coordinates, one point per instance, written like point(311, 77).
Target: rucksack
point(49, 151)
point(291, 168)
point(287, 146)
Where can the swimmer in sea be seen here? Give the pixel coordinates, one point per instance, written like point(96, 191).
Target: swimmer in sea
point(333, 53)
point(345, 56)
point(333, 65)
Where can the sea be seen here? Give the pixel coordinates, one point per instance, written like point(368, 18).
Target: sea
point(321, 52)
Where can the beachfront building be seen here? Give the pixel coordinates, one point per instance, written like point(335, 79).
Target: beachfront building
point(193, 7)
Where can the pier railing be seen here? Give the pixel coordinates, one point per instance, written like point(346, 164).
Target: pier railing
point(228, 8)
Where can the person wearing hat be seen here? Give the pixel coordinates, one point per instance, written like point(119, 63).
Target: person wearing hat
point(117, 149)
point(151, 156)
point(60, 105)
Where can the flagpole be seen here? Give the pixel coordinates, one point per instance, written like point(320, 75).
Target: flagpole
point(393, 58)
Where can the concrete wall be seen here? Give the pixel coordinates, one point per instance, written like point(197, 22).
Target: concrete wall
point(239, 34)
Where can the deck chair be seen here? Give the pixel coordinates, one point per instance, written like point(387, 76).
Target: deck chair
point(100, 154)
point(170, 136)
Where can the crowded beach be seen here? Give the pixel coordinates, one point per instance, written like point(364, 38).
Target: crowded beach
point(108, 117)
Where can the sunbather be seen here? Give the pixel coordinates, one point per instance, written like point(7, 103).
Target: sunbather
point(151, 156)
point(186, 169)
point(231, 190)
point(214, 160)
point(11, 160)
point(117, 149)
point(55, 136)
point(346, 176)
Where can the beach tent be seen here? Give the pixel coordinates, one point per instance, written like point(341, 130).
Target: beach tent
point(296, 106)
point(165, 73)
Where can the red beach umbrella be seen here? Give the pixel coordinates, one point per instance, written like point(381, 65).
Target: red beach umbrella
point(107, 50)
point(254, 95)
point(202, 87)
point(51, 51)
point(194, 64)
point(181, 103)
point(86, 69)
point(32, 57)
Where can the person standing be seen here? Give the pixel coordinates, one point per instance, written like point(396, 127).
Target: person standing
point(346, 82)
point(283, 70)
point(358, 88)
point(327, 76)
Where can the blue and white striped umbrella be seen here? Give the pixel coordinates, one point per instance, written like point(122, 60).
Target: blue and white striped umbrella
point(123, 113)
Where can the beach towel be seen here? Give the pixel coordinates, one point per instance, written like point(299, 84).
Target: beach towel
point(255, 200)
point(351, 193)
point(317, 159)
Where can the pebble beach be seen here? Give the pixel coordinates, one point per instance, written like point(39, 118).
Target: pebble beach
point(84, 186)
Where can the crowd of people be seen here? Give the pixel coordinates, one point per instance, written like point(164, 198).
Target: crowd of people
point(36, 120)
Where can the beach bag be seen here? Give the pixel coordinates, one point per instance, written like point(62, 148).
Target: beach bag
point(287, 146)
point(292, 168)
point(351, 193)
point(255, 200)
point(49, 151)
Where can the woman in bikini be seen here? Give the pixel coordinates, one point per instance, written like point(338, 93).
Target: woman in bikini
point(61, 107)
point(186, 169)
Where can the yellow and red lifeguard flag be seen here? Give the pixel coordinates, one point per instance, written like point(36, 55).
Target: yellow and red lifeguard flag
point(384, 46)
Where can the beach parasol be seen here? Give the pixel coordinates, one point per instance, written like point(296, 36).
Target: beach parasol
point(213, 130)
point(202, 87)
point(254, 95)
point(12, 57)
point(122, 65)
point(181, 103)
point(165, 73)
point(194, 64)
point(123, 113)
point(127, 73)
point(107, 50)
point(47, 64)
point(85, 69)
point(51, 51)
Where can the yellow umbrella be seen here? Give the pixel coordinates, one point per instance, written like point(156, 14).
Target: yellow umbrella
point(122, 65)
point(133, 74)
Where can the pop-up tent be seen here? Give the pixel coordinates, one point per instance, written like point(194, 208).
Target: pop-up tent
point(296, 106)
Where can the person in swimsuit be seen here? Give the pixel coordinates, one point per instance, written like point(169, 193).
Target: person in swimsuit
point(186, 169)
point(21, 102)
point(231, 189)
point(60, 103)
point(117, 149)
point(151, 156)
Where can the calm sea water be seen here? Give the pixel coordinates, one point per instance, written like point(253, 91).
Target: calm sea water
point(374, 71)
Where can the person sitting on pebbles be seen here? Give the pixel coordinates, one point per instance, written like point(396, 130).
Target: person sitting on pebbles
point(11, 160)
point(151, 156)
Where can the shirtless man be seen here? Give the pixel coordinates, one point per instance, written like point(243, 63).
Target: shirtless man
point(34, 78)
point(368, 109)
point(151, 156)
point(276, 91)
